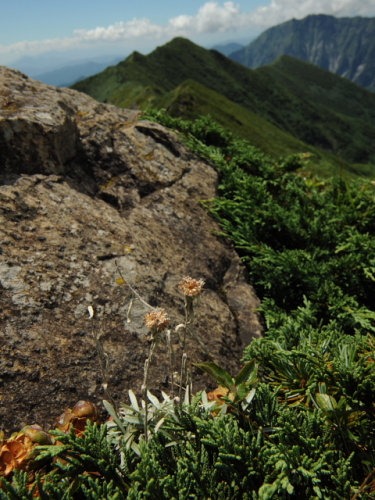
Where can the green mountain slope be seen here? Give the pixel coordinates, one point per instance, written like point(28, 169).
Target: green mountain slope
point(321, 86)
point(192, 99)
point(170, 65)
point(344, 113)
point(146, 80)
point(345, 46)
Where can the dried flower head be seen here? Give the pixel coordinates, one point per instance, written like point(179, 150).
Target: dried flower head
point(157, 320)
point(190, 286)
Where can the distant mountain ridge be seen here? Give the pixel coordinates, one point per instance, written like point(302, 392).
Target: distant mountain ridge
point(228, 48)
point(68, 75)
point(345, 46)
point(60, 70)
point(312, 114)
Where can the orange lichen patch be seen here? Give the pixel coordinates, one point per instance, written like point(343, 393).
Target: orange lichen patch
point(78, 417)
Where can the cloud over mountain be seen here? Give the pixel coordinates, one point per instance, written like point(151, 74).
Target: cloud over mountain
point(282, 10)
point(212, 17)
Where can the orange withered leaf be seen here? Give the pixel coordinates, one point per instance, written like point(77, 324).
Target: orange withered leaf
point(78, 417)
point(218, 394)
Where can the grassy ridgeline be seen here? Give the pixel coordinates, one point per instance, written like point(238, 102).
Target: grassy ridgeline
point(290, 103)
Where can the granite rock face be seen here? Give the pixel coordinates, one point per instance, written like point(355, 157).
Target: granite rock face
point(84, 185)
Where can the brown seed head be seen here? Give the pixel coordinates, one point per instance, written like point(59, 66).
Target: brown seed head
point(190, 286)
point(157, 320)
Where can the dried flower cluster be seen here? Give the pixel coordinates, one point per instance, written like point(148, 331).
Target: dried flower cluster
point(190, 286)
point(21, 449)
point(19, 452)
point(157, 320)
point(78, 417)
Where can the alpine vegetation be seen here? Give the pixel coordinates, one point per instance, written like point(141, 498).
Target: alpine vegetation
point(297, 421)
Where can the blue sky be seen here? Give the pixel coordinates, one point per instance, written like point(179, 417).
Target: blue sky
point(34, 27)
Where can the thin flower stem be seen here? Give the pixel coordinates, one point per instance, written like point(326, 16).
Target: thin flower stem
point(364, 485)
point(191, 288)
point(171, 359)
point(103, 363)
point(145, 384)
point(203, 347)
point(183, 376)
point(132, 289)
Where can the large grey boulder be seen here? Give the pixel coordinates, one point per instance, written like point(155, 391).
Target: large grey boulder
point(84, 185)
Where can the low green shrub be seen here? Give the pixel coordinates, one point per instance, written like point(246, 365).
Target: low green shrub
point(306, 429)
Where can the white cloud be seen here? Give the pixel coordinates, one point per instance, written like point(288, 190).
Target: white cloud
point(39, 46)
point(212, 17)
point(283, 10)
point(132, 30)
point(181, 23)
point(137, 28)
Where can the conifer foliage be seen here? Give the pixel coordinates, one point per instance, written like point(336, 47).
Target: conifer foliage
point(307, 428)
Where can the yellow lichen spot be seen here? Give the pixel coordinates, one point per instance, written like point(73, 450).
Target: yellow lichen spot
point(82, 113)
point(127, 249)
point(109, 183)
point(148, 156)
point(120, 281)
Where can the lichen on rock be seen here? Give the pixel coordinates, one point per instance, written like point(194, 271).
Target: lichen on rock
point(84, 185)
